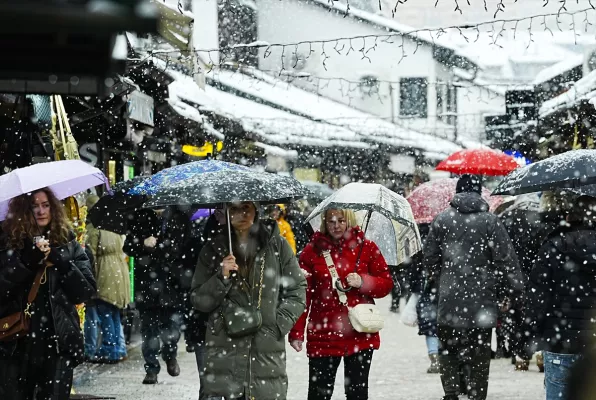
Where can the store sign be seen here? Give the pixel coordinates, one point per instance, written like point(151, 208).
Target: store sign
point(519, 157)
point(139, 107)
point(203, 151)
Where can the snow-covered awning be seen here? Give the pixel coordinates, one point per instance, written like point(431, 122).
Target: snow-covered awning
point(584, 89)
point(356, 124)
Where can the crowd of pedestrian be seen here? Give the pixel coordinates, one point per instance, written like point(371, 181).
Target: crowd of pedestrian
point(240, 281)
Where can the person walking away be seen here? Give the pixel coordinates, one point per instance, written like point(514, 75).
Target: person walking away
point(156, 296)
point(426, 307)
point(113, 289)
point(561, 298)
point(330, 336)
point(254, 294)
point(38, 245)
point(285, 230)
point(470, 258)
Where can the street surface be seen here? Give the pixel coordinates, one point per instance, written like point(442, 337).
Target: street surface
point(398, 372)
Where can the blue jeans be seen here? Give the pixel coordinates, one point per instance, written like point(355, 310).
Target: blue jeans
point(432, 344)
point(91, 328)
point(121, 347)
point(557, 369)
point(155, 325)
point(111, 326)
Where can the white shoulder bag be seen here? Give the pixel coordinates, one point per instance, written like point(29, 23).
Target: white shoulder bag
point(365, 318)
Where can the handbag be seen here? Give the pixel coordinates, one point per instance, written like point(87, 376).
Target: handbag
point(240, 321)
point(365, 318)
point(16, 326)
point(409, 316)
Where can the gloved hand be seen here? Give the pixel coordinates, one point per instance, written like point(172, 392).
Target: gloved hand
point(31, 255)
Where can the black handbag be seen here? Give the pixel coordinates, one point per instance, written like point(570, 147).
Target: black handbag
point(240, 321)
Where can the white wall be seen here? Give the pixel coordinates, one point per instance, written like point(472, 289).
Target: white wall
point(292, 21)
point(206, 33)
point(473, 103)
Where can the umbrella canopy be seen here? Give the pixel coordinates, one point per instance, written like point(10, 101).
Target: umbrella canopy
point(572, 169)
point(479, 162)
point(431, 198)
point(385, 216)
point(170, 176)
point(212, 188)
point(113, 210)
point(64, 178)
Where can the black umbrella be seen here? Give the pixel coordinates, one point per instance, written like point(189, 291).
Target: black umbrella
point(572, 169)
point(214, 188)
point(112, 211)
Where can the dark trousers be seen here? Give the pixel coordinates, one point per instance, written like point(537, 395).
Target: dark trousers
point(322, 371)
point(470, 347)
point(48, 380)
point(159, 324)
point(200, 356)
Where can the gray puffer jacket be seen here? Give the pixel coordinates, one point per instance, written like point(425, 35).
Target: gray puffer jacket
point(470, 254)
point(252, 366)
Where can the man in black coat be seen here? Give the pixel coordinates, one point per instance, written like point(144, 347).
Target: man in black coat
point(471, 260)
point(561, 296)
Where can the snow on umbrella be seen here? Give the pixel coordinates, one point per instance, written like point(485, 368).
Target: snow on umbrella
point(170, 176)
point(431, 198)
point(113, 210)
point(479, 162)
point(385, 216)
point(572, 169)
point(65, 178)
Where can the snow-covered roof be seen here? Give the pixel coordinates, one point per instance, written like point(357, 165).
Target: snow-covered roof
point(584, 89)
point(393, 26)
point(301, 102)
point(559, 68)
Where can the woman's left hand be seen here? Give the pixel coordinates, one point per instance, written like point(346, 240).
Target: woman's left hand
point(354, 280)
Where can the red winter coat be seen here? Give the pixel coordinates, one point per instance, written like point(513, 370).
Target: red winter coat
point(329, 330)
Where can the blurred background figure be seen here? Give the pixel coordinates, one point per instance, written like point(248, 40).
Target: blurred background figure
point(278, 213)
point(113, 293)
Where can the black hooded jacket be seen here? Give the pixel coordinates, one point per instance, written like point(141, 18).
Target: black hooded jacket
point(69, 282)
point(561, 297)
point(471, 256)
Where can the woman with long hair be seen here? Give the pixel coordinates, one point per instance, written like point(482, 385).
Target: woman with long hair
point(331, 337)
point(253, 294)
point(37, 241)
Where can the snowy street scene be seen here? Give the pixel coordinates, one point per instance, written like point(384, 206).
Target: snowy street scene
point(298, 199)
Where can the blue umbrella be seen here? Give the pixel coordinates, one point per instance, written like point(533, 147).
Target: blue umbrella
point(180, 173)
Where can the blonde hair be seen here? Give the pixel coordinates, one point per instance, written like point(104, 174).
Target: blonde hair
point(349, 215)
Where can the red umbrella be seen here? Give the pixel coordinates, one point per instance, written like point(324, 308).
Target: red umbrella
point(479, 162)
point(432, 198)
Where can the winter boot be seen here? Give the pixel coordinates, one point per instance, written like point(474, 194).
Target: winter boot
point(173, 367)
point(521, 364)
point(150, 378)
point(434, 364)
point(540, 361)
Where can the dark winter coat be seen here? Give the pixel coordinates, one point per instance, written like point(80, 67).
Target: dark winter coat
point(470, 254)
point(254, 365)
point(161, 280)
point(561, 298)
point(70, 283)
point(329, 331)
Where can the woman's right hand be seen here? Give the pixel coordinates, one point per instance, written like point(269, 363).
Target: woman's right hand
point(297, 345)
point(228, 265)
point(44, 246)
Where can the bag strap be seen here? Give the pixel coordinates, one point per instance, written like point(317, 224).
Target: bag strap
point(261, 281)
point(343, 299)
point(34, 290)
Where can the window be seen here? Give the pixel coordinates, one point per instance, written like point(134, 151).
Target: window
point(447, 103)
point(369, 85)
point(413, 97)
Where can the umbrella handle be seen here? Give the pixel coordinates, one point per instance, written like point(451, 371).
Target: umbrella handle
point(340, 287)
point(229, 229)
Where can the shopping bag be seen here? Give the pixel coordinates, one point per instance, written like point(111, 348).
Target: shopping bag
point(409, 316)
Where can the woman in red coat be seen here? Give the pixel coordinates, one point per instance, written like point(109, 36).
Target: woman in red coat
point(330, 336)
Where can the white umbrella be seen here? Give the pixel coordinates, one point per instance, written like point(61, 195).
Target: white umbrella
point(385, 217)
